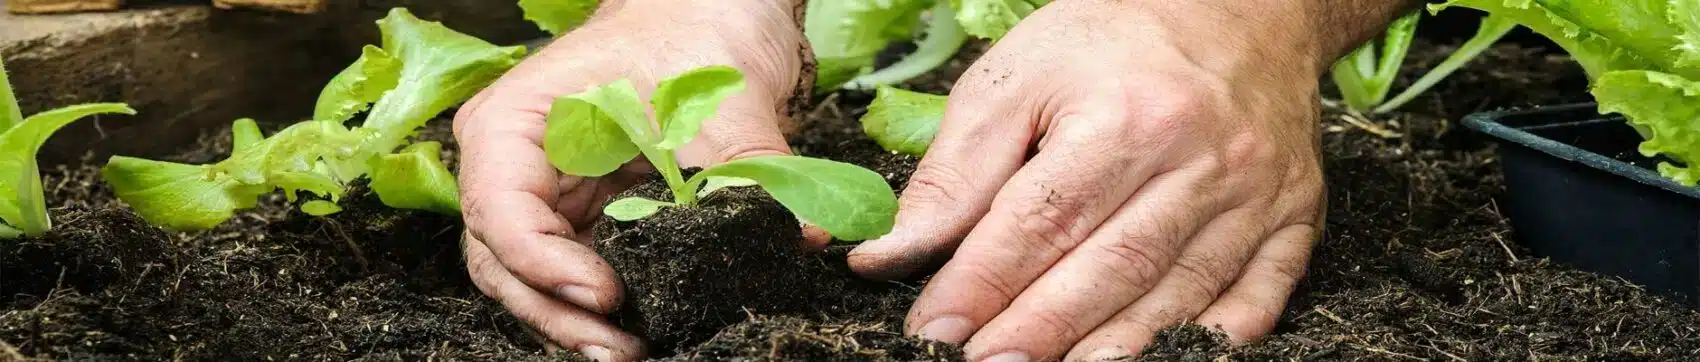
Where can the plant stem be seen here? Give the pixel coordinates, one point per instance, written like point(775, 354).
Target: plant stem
point(1492, 29)
point(1352, 85)
point(669, 168)
point(944, 37)
point(10, 112)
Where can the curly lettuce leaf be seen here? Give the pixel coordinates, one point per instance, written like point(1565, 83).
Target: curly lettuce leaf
point(357, 86)
point(847, 34)
point(1666, 107)
point(1607, 35)
point(583, 138)
point(683, 102)
point(944, 36)
point(904, 121)
point(198, 197)
point(416, 178)
point(558, 16)
point(440, 68)
point(179, 196)
point(991, 19)
point(850, 202)
point(23, 204)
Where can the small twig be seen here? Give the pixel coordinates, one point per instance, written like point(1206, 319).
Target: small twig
point(1505, 247)
point(1370, 127)
point(1331, 315)
point(1387, 352)
point(352, 247)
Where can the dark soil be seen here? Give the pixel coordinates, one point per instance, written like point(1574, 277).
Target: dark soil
point(1417, 265)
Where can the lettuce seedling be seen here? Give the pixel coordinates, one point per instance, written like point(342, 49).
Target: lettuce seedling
point(23, 203)
point(1365, 77)
point(422, 69)
point(904, 121)
point(1642, 58)
point(847, 35)
point(595, 132)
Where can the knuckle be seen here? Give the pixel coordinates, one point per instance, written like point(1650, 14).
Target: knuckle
point(1048, 224)
point(1139, 262)
point(1053, 322)
point(933, 182)
point(1202, 275)
point(994, 281)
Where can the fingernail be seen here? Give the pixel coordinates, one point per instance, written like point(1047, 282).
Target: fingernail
point(1008, 357)
point(598, 353)
point(948, 329)
point(1108, 353)
point(583, 297)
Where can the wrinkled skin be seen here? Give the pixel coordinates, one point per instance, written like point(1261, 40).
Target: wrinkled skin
point(1149, 168)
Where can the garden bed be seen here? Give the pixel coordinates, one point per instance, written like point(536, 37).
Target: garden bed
point(1417, 264)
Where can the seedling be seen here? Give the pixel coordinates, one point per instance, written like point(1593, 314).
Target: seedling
point(422, 69)
point(847, 35)
point(1642, 58)
point(595, 132)
point(23, 203)
point(1365, 77)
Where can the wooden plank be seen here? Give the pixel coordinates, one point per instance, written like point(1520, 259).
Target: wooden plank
point(292, 6)
point(61, 6)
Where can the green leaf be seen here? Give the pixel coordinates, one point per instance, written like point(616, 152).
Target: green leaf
point(416, 178)
point(720, 182)
point(358, 85)
point(1685, 16)
point(991, 19)
point(320, 208)
point(904, 121)
point(1667, 107)
point(296, 149)
point(178, 196)
point(558, 16)
point(245, 134)
point(1603, 35)
point(10, 113)
point(683, 102)
point(440, 68)
point(8, 232)
point(850, 202)
point(22, 200)
point(846, 35)
point(633, 208)
point(582, 140)
point(1491, 29)
point(944, 36)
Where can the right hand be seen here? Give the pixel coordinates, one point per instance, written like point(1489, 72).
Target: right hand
point(527, 242)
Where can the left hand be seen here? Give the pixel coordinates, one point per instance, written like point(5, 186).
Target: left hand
point(1110, 169)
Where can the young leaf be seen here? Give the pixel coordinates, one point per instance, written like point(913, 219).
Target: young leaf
point(683, 102)
point(320, 208)
point(720, 182)
point(633, 208)
point(440, 68)
point(10, 113)
point(1667, 107)
point(944, 36)
point(850, 202)
point(991, 19)
point(178, 196)
point(846, 35)
point(558, 16)
point(8, 232)
point(22, 201)
point(904, 121)
point(582, 140)
point(245, 134)
point(416, 178)
point(1602, 35)
point(358, 85)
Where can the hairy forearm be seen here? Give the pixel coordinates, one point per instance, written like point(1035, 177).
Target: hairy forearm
point(1309, 33)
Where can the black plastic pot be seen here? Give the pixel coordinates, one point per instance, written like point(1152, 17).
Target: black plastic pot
point(1577, 191)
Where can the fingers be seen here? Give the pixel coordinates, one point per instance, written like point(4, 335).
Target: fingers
point(1048, 208)
point(951, 188)
point(508, 191)
point(565, 325)
point(1119, 263)
point(1206, 266)
point(1249, 308)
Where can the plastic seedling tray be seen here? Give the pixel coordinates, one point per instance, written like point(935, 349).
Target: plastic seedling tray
point(1577, 191)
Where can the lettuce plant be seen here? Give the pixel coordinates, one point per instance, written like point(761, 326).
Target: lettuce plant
point(848, 34)
point(1642, 58)
point(595, 132)
point(558, 16)
point(422, 69)
point(1365, 77)
point(23, 205)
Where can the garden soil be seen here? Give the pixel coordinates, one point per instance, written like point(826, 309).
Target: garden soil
point(1417, 264)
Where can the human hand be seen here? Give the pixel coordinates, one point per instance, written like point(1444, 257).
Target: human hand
point(527, 242)
point(1155, 163)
